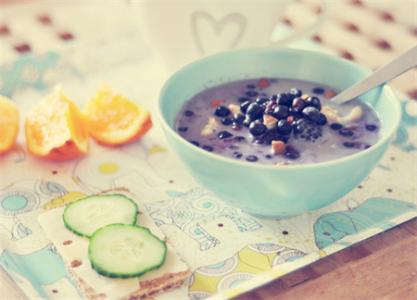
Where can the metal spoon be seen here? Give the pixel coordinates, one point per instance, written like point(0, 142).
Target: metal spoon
point(391, 70)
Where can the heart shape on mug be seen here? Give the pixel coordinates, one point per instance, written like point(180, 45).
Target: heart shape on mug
point(230, 28)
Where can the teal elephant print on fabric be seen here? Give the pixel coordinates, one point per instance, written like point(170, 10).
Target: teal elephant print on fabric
point(40, 268)
point(36, 72)
point(374, 212)
point(188, 211)
point(402, 139)
point(22, 198)
point(27, 72)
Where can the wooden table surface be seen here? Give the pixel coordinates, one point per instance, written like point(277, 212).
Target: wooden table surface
point(382, 267)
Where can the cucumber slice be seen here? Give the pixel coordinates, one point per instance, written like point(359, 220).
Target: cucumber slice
point(124, 251)
point(85, 216)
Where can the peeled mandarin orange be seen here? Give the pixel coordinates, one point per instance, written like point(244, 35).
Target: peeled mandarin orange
point(55, 129)
point(115, 120)
point(9, 124)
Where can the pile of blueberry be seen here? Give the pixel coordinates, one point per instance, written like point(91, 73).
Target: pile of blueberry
point(276, 118)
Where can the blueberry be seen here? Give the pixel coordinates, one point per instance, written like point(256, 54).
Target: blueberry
point(300, 121)
point(243, 99)
point(237, 154)
point(272, 135)
point(283, 99)
point(306, 130)
point(291, 153)
point(244, 106)
point(251, 86)
point(349, 144)
point(238, 119)
point(224, 135)
point(227, 121)
point(239, 138)
point(312, 113)
point(294, 92)
point(270, 106)
point(251, 94)
point(318, 90)
point(188, 113)
point(345, 132)
point(290, 97)
point(281, 112)
point(262, 100)
point(182, 129)
point(268, 156)
point(254, 111)
point(208, 148)
point(222, 111)
point(284, 138)
point(295, 113)
point(314, 102)
point(256, 128)
point(195, 143)
point(336, 126)
point(299, 126)
point(251, 158)
point(297, 105)
point(284, 127)
point(371, 127)
point(322, 120)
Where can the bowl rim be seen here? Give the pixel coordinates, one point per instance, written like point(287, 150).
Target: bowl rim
point(344, 159)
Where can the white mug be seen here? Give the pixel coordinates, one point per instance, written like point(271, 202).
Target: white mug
point(180, 31)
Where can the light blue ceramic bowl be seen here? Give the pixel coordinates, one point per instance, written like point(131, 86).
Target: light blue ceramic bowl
point(264, 190)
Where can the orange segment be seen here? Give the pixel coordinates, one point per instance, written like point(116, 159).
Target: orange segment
point(114, 120)
point(9, 124)
point(55, 129)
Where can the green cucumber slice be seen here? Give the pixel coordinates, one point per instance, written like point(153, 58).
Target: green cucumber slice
point(124, 251)
point(85, 216)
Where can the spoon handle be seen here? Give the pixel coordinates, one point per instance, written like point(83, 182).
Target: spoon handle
point(383, 74)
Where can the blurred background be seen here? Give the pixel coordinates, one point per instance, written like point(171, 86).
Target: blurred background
point(47, 42)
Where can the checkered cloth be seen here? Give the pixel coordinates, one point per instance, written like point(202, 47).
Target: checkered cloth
point(369, 32)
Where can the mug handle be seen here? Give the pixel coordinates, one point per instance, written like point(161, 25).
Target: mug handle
point(307, 31)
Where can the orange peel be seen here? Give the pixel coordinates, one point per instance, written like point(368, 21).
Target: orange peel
point(113, 119)
point(9, 124)
point(55, 129)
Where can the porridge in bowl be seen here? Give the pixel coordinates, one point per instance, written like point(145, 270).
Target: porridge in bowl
point(276, 121)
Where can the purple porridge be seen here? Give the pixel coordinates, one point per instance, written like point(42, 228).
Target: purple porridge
point(276, 121)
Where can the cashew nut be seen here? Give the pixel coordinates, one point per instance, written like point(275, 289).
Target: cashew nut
point(211, 127)
point(235, 109)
